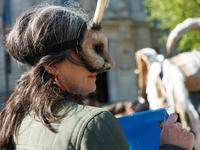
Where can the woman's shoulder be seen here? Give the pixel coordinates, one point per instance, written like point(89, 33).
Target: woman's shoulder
point(83, 112)
point(94, 127)
point(82, 118)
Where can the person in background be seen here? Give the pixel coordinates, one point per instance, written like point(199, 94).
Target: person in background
point(65, 51)
point(90, 100)
point(126, 108)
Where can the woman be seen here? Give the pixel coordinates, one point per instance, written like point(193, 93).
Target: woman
point(45, 111)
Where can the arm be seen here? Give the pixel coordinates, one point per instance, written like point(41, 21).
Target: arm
point(173, 134)
point(170, 147)
point(104, 132)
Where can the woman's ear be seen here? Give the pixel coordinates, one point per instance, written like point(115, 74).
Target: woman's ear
point(50, 70)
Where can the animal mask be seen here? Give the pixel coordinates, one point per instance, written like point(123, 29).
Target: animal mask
point(93, 49)
point(91, 45)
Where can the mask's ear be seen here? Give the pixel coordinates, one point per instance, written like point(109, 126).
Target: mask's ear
point(51, 70)
point(101, 6)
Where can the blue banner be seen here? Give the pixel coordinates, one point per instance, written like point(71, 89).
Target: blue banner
point(142, 129)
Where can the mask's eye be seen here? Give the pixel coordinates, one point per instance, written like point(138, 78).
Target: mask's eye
point(98, 48)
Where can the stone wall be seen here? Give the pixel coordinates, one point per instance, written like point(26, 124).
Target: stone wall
point(122, 82)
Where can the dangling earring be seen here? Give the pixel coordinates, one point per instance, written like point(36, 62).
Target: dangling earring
point(59, 82)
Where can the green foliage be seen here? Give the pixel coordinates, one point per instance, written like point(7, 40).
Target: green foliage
point(163, 39)
point(190, 41)
point(166, 14)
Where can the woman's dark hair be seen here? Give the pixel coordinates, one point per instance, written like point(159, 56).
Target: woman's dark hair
point(36, 30)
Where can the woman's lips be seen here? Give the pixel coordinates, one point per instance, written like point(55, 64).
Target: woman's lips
point(93, 76)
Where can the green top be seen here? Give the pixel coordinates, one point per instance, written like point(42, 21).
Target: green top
point(82, 128)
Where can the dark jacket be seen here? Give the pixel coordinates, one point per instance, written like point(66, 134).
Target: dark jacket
point(82, 128)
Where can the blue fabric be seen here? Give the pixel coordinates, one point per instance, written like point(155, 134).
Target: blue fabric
point(6, 12)
point(190, 99)
point(142, 129)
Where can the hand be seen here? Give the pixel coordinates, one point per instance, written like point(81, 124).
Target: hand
point(129, 109)
point(173, 133)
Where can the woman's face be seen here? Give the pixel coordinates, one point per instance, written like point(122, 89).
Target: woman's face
point(76, 79)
